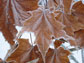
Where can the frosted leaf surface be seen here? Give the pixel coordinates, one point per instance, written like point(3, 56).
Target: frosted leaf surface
point(44, 25)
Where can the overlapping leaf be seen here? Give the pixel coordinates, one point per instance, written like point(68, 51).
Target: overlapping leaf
point(25, 53)
point(12, 13)
point(78, 11)
point(7, 23)
point(23, 47)
point(79, 38)
point(57, 55)
point(44, 24)
point(71, 21)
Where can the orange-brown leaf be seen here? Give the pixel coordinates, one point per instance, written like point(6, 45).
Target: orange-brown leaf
point(25, 53)
point(44, 24)
point(58, 55)
point(21, 49)
point(79, 38)
point(57, 43)
point(78, 11)
point(70, 21)
point(7, 26)
point(33, 54)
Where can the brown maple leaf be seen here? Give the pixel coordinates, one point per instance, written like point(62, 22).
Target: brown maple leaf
point(7, 26)
point(78, 11)
point(71, 23)
point(44, 25)
point(57, 55)
point(79, 38)
point(21, 8)
point(22, 48)
point(12, 13)
point(25, 53)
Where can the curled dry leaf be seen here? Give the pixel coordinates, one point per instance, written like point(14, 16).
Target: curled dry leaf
point(44, 24)
point(57, 55)
point(25, 53)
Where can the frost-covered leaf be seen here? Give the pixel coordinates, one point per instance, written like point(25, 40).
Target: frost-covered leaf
point(20, 50)
point(64, 5)
point(57, 55)
point(33, 54)
point(12, 13)
point(79, 38)
point(25, 53)
point(78, 11)
point(44, 25)
point(71, 23)
point(7, 26)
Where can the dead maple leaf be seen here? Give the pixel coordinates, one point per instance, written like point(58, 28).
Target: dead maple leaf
point(79, 38)
point(22, 48)
point(33, 54)
point(57, 55)
point(21, 8)
point(71, 23)
point(7, 26)
point(12, 13)
point(78, 11)
point(25, 53)
point(44, 24)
